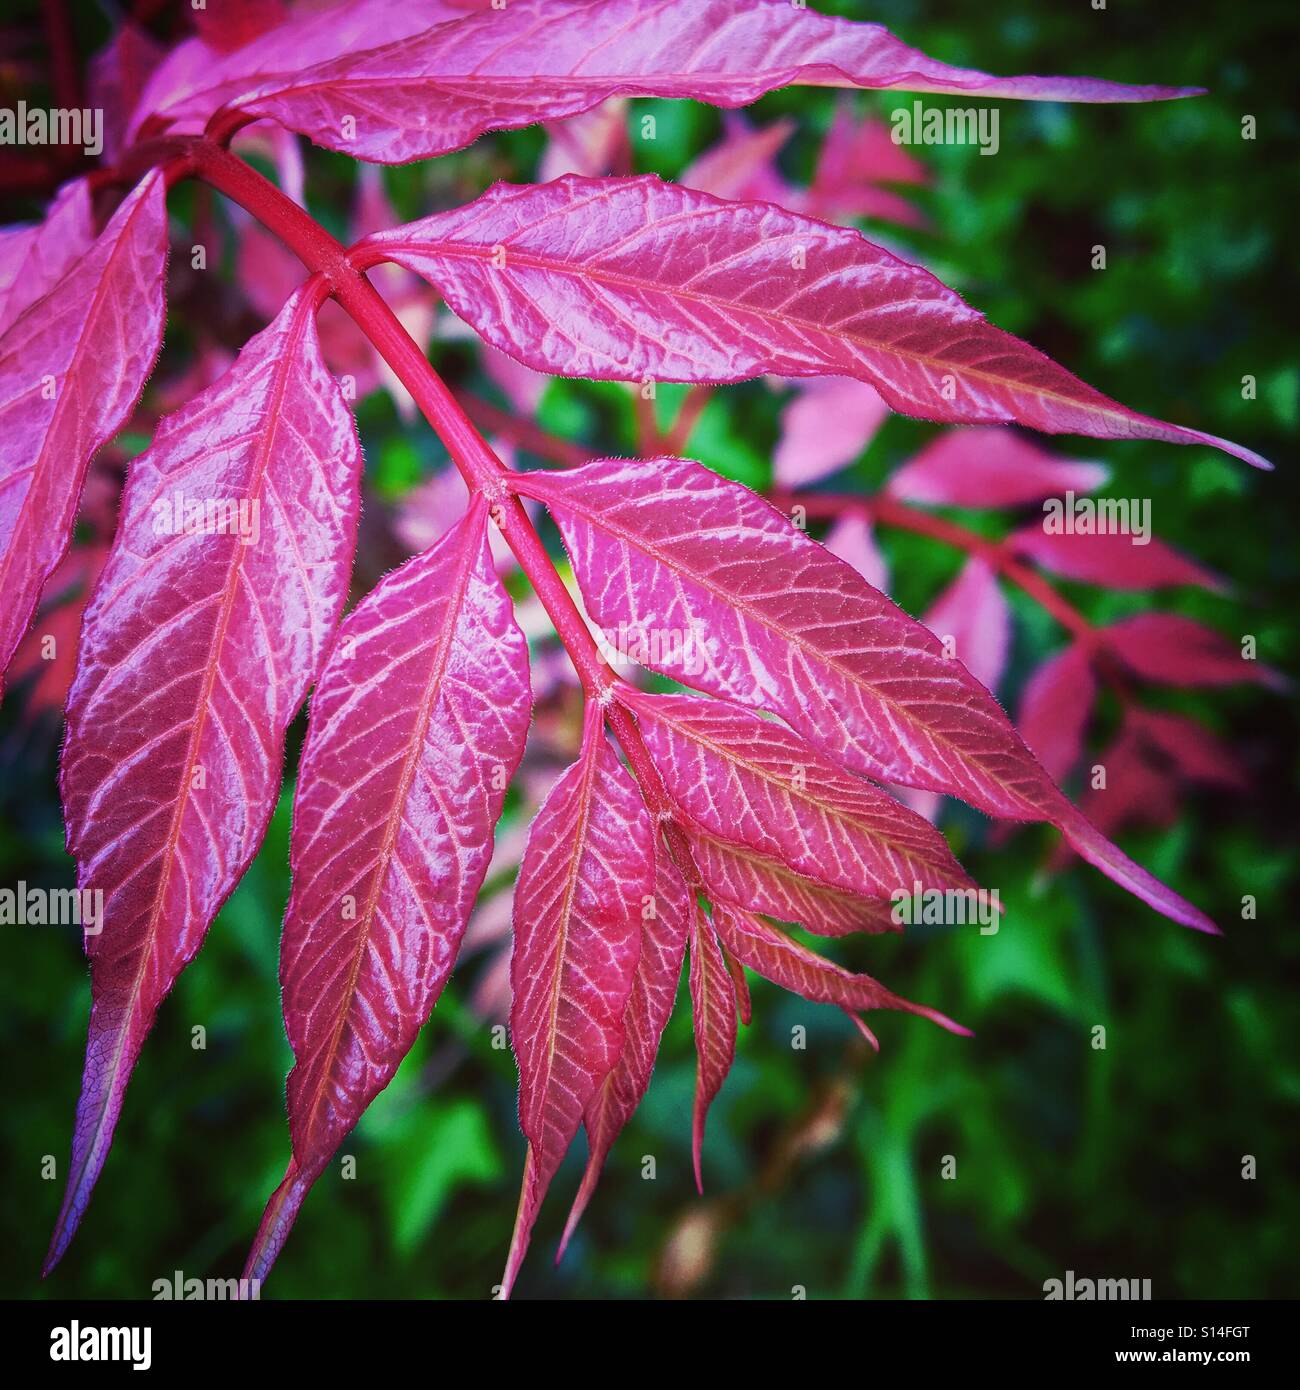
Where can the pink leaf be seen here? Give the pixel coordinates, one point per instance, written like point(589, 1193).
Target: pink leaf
point(856, 157)
point(713, 1017)
point(417, 725)
point(1137, 791)
point(1195, 754)
point(1146, 767)
point(539, 60)
point(989, 468)
point(853, 540)
point(431, 508)
point(210, 620)
point(666, 546)
point(588, 871)
point(116, 78)
point(234, 23)
point(34, 259)
point(755, 783)
point(744, 1004)
point(826, 425)
point(520, 385)
point(742, 164)
point(971, 618)
point(591, 143)
point(623, 279)
point(49, 651)
point(769, 952)
point(861, 151)
point(1054, 709)
point(748, 878)
point(1172, 650)
point(654, 991)
point(71, 368)
point(1112, 560)
point(196, 77)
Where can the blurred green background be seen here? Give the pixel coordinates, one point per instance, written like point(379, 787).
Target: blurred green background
point(824, 1166)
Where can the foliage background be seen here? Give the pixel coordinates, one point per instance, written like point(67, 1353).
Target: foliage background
point(823, 1166)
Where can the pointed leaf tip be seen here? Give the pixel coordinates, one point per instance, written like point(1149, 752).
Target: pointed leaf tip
point(696, 288)
point(174, 748)
point(795, 631)
point(588, 868)
point(426, 688)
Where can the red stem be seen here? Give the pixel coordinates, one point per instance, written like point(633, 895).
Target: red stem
point(482, 470)
point(649, 443)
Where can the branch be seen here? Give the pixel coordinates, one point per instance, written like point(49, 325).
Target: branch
point(342, 275)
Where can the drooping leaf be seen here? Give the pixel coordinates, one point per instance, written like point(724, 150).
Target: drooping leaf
point(539, 60)
point(713, 1019)
point(654, 991)
point(744, 1004)
point(71, 368)
point(1170, 649)
point(743, 163)
point(1195, 753)
point(856, 158)
point(1146, 768)
point(770, 952)
point(755, 783)
point(972, 618)
point(588, 870)
point(210, 620)
point(1112, 559)
point(416, 727)
point(666, 546)
point(1152, 760)
point(627, 279)
point(1054, 708)
point(989, 467)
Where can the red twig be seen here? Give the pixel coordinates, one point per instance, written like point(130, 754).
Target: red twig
point(342, 276)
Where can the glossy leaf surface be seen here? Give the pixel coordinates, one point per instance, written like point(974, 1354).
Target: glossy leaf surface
point(587, 872)
point(781, 624)
point(210, 620)
point(417, 726)
point(628, 279)
point(71, 368)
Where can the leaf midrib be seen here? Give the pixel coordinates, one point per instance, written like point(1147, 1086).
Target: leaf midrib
point(428, 698)
point(729, 755)
point(638, 542)
point(272, 415)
